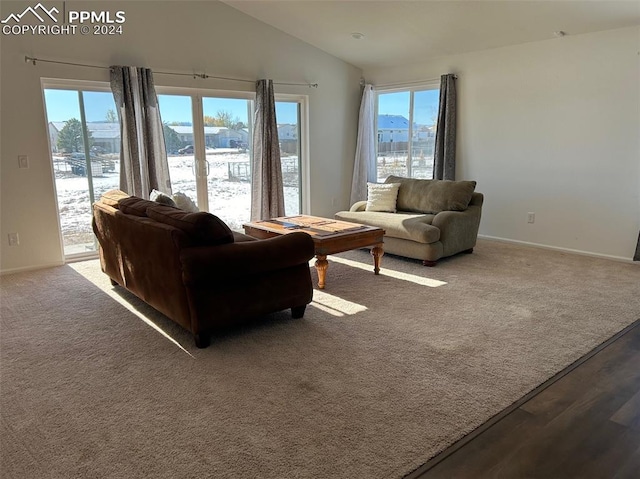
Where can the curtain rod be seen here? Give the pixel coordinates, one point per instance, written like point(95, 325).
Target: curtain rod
point(406, 83)
point(204, 76)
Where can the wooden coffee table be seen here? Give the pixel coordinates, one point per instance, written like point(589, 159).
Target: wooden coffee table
point(329, 236)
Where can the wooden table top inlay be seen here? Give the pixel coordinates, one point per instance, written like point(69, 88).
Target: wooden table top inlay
point(312, 225)
point(329, 236)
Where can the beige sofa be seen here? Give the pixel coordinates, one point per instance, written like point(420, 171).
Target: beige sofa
point(434, 218)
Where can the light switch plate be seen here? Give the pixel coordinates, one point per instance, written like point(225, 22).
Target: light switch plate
point(14, 239)
point(23, 161)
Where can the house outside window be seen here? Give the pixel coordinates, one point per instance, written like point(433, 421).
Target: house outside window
point(406, 124)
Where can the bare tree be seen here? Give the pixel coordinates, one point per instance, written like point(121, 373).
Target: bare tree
point(223, 118)
point(111, 116)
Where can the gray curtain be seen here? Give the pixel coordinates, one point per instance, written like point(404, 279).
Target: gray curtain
point(267, 194)
point(444, 158)
point(636, 257)
point(364, 167)
point(143, 158)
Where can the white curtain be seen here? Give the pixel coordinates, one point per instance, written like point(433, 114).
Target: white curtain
point(364, 168)
point(267, 193)
point(143, 158)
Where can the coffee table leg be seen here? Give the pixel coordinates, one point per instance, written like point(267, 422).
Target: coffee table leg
point(321, 266)
point(377, 252)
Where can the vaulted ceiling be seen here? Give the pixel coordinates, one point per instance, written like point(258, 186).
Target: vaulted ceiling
point(397, 32)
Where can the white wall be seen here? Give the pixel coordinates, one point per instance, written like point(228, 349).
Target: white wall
point(550, 127)
point(183, 36)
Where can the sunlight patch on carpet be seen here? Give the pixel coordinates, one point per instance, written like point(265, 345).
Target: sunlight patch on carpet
point(431, 283)
point(80, 267)
point(334, 305)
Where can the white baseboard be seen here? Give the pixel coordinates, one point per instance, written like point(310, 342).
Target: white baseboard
point(31, 268)
point(557, 248)
point(75, 258)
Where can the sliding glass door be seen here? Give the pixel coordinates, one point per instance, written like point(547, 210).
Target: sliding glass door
point(176, 112)
point(208, 137)
point(288, 119)
point(84, 137)
point(227, 135)
point(209, 146)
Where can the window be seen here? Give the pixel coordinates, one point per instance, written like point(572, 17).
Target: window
point(288, 119)
point(208, 141)
point(208, 136)
point(84, 138)
point(406, 123)
point(227, 130)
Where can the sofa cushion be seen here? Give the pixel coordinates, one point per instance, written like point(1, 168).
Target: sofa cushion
point(112, 197)
point(135, 206)
point(413, 227)
point(203, 228)
point(432, 196)
point(382, 196)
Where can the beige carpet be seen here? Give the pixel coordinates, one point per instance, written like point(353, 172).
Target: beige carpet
point(380, 375)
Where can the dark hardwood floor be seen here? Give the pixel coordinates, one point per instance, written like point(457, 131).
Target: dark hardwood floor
point(584, 423)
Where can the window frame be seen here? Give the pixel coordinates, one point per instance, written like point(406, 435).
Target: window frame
point(80, 86)
point(411, 89)
point(196, 93)
point(303, 146)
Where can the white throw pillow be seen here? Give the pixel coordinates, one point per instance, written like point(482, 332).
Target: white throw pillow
point(160, 197)
point(185, 203)
point(382, 196)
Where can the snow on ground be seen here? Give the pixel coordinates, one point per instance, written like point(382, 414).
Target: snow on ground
point(229, 192)
point(228, 183)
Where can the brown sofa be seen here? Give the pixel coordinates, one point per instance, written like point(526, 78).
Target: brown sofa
point(192, 268)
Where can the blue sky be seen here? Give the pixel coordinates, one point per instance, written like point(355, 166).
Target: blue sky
point(64, 104)
point(425, 105)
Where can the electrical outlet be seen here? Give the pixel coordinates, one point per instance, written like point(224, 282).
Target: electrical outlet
point(14, 239)
point(531, 217)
